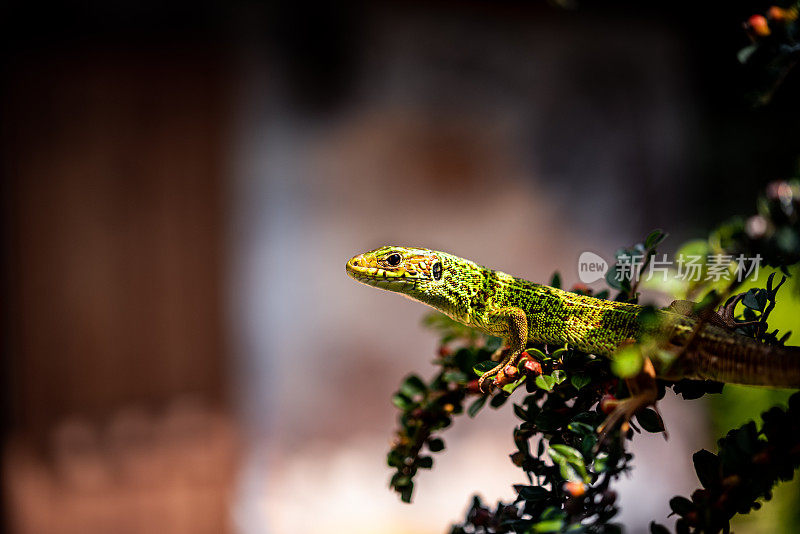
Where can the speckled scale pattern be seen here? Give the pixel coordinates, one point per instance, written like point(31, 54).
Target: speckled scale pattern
point(482, 298)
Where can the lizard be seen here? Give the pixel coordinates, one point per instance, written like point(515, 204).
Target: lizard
point(520, 311)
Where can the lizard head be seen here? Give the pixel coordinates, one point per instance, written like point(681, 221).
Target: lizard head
point(424, 275)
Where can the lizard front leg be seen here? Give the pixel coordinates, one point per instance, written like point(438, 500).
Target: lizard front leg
point(511, 324)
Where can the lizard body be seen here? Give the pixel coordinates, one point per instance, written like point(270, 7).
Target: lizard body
point(519, 311)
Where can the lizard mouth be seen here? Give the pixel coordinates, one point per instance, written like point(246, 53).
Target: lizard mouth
point(360, 269)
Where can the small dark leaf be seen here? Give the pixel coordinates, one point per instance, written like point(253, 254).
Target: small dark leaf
point(483, 367)
point(476, 406)
point(649, 420)
point(555, 281)
point(498, 400)
point(435, 444)
point(425, 462)
point(655, 528)
point(531, 493)
point(707, 466)
point(681, 505)
point(580, 380)
point(406, 491)
point(755, 299)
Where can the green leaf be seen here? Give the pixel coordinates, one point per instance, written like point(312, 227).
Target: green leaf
point(549, 525)
point(545, 382)
point(600, 462)
point(572, 455)
point(579, 381)
point(481, 368)
point(559, 376)
point(455, 376)
point(476, 406)
point(570, 462)
point(402, 401)
point(744, 54)
point(582, 429)
point(537, 354)
point(413, 385)
point(611, 280)
point(655, 238)
point(509, 388)
point(627, 362)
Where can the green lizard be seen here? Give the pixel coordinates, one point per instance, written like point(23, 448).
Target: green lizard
point(520, 311)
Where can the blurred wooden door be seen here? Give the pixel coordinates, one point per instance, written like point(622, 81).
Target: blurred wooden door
point(114, 161)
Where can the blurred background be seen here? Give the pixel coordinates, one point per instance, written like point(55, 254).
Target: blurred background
point(182, 184)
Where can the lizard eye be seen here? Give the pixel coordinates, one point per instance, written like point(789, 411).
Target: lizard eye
point(393, 260)
point(437, 271)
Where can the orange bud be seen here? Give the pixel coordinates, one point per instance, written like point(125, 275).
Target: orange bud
point(759, 25)
point(576, 489)
point(444, 351)
point(448, 408)
point(776, 13)
point(780, 14)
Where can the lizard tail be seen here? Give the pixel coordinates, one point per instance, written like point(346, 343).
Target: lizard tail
point(726, 357)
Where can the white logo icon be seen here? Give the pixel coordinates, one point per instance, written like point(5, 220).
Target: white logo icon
point(591, 267)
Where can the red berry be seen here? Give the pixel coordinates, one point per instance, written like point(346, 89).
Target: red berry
point(533, 366)
point(608, 403)
point(473, 386)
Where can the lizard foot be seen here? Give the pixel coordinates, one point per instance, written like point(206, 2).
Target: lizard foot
point(497, 371)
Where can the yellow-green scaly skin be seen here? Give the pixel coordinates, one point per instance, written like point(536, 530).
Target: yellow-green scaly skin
point(520, 311)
